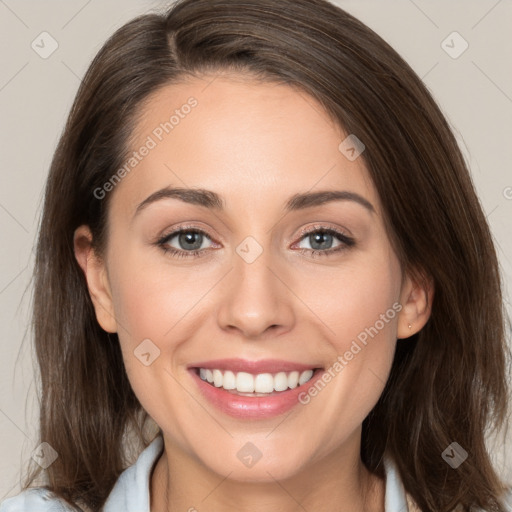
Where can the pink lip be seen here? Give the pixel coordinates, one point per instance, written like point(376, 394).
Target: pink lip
point(254, 367)
point(247, 407)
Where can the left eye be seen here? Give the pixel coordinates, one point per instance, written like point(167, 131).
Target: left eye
point(321, 239)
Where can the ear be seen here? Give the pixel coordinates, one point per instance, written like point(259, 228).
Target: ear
point(416, 298)
point(97, 279)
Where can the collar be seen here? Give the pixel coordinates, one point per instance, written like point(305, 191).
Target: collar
point(131, 491)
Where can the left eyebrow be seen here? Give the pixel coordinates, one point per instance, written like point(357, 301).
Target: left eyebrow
point(310, 199)
point(212, 200)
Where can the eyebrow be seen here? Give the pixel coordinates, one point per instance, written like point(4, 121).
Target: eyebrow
point(214, 201)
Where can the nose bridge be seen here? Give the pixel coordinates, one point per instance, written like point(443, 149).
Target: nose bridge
point(255, 298)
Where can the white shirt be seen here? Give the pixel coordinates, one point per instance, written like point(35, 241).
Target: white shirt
point(131, 491)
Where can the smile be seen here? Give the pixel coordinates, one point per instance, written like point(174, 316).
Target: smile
point(253, 389)
point(262, 383)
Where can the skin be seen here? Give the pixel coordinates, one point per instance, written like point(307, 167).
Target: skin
point(256, 145)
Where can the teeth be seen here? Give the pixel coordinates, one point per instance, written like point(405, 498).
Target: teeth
point(244, 382)
point(305, 376)
point(217, 378)
point(281, 381)
point(229, 380)
point(261, 383)
point(293, 380)
point(264, 383)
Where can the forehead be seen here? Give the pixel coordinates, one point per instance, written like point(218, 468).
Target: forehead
point(252, 142)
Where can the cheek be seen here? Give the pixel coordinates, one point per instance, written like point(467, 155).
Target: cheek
point(151, 298)
point(357, 314)
point(354, 298)
point(155, 301)
point(149, 303)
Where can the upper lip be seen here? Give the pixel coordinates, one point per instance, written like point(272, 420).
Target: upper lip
point(254, 367)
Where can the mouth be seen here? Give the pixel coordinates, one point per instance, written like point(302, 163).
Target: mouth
point(254, 389)
point(255, 385)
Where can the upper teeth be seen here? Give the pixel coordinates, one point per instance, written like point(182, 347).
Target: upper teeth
point(260, 383)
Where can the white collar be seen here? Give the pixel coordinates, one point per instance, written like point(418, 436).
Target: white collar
point(131, 491)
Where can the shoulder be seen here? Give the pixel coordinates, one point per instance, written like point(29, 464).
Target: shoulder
point(36, 499)
point(507, 499)
point(397, 498)
point(130, 492)
point(506, 503)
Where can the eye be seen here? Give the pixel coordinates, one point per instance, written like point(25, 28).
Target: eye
point(189, 241)
point(321, 240)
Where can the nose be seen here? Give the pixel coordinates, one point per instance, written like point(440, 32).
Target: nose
point(256, 299)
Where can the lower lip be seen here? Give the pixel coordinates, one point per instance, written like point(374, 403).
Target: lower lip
point(247, 407)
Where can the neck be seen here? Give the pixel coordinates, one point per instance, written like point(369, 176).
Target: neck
point(337, 482)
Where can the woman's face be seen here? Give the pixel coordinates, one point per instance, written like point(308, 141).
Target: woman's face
point(248, 289)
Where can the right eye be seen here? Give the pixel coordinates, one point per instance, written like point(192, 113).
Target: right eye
point(189, 240)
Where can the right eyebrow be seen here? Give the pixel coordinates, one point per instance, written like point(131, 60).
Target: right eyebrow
point(200, 197)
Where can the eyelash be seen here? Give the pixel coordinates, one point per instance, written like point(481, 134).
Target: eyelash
point(346, 242)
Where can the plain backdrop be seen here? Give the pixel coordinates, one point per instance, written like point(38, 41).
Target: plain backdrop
point(473, 88)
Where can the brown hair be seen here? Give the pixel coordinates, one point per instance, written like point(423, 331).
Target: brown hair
point(448, 382)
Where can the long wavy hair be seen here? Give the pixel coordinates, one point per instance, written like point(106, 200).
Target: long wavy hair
point(448, 382)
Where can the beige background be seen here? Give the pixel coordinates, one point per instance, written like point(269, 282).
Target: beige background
point(474, 90)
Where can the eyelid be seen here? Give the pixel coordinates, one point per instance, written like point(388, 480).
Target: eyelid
point(323, 227)
point(345, 240)
point(183, 228)
point(304, 231)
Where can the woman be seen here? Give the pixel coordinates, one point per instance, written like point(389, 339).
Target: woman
point(333, 336)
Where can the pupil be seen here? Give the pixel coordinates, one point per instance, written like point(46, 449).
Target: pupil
point(317, 237)
point(321, 240)
point(188, 238)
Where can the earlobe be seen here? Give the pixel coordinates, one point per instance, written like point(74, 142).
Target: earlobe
point(416, 299)
point(95, 273)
